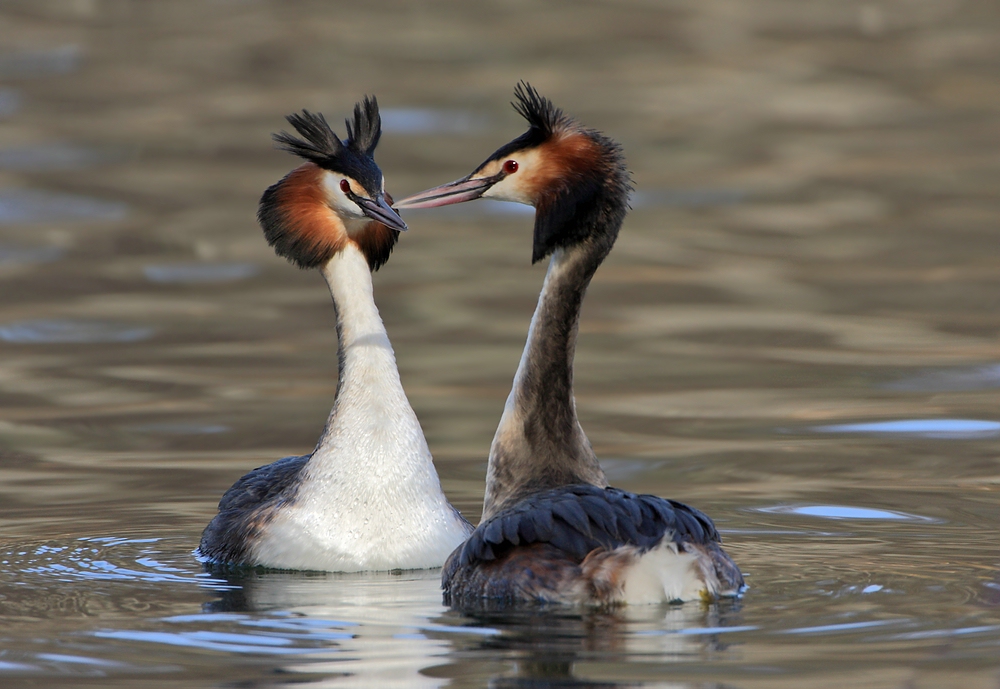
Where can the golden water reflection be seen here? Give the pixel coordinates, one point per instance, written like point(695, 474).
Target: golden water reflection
point(812, 245)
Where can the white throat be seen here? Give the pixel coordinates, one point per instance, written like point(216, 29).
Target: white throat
point(370, 498)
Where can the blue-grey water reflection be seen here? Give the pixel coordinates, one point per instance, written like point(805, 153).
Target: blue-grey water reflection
point(930, 428)
point(27, 206)
point(10, 102)
point(964, 378)
point(195, 273)
point(19, 255)
point(429, 121)
point(36, 62)
point(71, 331)
point(841, 512)
point(47, 157)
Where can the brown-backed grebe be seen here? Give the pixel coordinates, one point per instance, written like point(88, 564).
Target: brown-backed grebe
point(552, 530)
point(368, 497)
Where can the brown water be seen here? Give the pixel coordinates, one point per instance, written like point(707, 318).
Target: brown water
point(797, 332)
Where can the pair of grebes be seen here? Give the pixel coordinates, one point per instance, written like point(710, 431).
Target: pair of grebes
point(368, 497)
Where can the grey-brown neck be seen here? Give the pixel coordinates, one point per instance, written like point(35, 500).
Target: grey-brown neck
point(539, 443)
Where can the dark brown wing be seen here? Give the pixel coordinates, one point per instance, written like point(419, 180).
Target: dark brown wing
point(535, 550)
point(579, 518)
point(246, 507)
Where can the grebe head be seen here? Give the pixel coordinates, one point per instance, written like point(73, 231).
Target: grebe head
point(567, 172)
point(335, 198)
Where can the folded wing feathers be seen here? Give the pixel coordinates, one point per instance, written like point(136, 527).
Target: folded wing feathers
point(263, 483)
point(512, 529)
point(580, 518)
point(545, 525)
point(699, 521)
point(574, 542)
point(600, 514)
point(571, 511)
point(493, 533)
point(528, 532)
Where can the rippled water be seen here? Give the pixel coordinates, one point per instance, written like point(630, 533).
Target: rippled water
point(797, 332)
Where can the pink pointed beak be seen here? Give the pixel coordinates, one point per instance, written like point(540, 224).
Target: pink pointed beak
point(465, 189)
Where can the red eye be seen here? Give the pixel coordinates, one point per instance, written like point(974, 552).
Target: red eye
point(510, 167)
point(345, 186)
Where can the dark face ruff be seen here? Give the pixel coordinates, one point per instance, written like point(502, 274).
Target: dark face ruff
point(589, 200)
point(289, 230)
point(588, 204)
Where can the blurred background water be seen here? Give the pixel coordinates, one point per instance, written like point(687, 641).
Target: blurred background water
point(797, 331)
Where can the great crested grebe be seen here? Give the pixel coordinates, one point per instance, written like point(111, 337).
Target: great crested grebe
point(368, 497)
point(552, 530)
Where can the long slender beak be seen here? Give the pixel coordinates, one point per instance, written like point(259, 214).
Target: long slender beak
point(379, 210)
point(465, 189)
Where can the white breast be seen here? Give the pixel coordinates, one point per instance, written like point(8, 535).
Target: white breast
point(369, 498)
point(664, 574)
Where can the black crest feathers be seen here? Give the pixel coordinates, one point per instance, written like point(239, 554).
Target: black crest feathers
point(321, 145)
point(367, 130)
point(539, 111)
point(291, 212)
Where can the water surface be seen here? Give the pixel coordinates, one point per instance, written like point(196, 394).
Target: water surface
point(796, 332)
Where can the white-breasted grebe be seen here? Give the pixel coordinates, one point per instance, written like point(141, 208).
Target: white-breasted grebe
point(368, 497)
point(552, 530)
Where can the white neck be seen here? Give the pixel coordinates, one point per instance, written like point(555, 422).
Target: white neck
point(369, 391)
point(367, 363)
point(369, 496)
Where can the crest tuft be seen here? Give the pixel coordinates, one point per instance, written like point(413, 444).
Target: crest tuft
point(364, 135)
point(539, 111)
point(321, 145)
point(318, 144)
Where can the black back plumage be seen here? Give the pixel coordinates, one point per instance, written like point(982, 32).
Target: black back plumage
point(579, 518)
point(353, 157)
point(247, 506)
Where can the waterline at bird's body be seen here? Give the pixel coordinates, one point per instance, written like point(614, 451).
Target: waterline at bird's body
point(552, 531)
point(368, 496)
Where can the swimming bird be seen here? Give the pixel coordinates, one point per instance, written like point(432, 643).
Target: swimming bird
point(552, 530)
point(367, 497)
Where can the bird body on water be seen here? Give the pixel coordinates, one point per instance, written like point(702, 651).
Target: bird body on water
point(552, 530)
point(368, 496)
